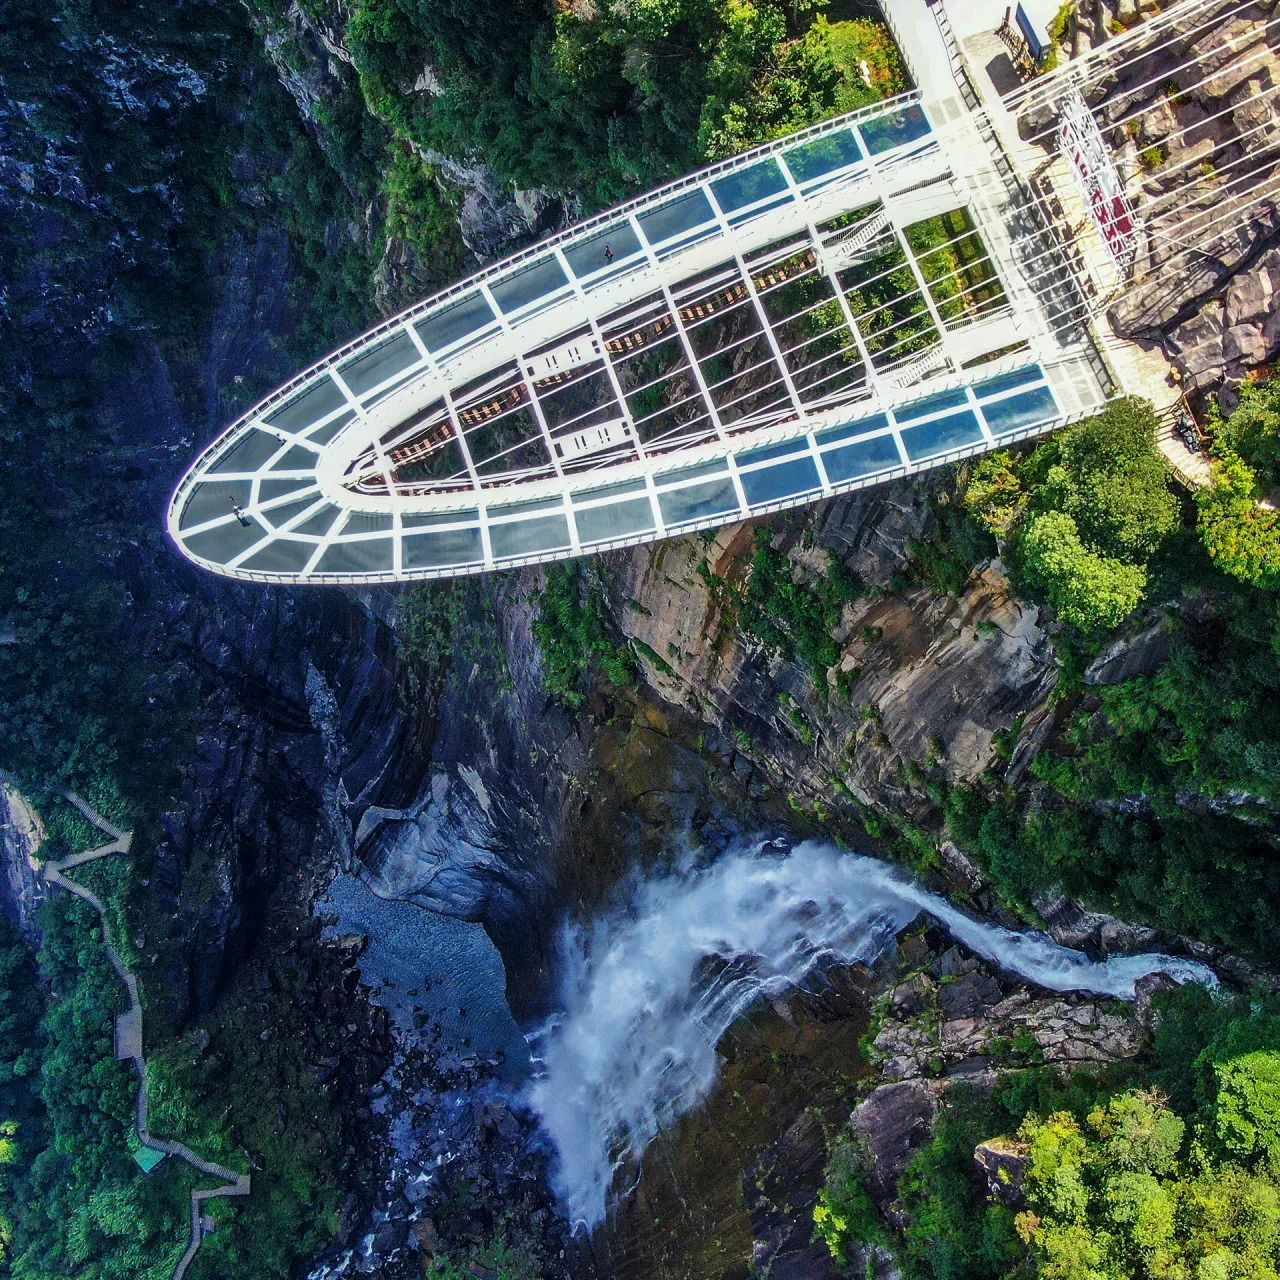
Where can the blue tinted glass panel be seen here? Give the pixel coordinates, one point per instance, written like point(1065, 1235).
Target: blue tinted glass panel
point(894, 130)
point(281, 556)
point(320, 523)
point(851, 429)
point(316, 402)
point(368, 522)
point(296, 459)
point(931, 438)
point(698, 501)
point(850, 461)
point(372, 556)
point(468, 315)
point(212, 499)
point(764, 181)
point(286, 511)
point(225, 542)
point(539, 280)
point(784, 480)
point(249, 452)
point(588, 256)
point(269, 489)
point(375, 366)
point(526, 508)
point(528, 537)
point(608, 491)
point(676, 218)
point(1020, 411)
point(618, 520)
point(1007, 381)
point(772, 451)
point(322, 435)
point(716, 467)
point(823, 156)
point(432, 519)
point(443, 548)
point(931, 404)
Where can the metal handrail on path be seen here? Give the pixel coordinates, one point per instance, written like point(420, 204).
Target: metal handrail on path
point(54, 872)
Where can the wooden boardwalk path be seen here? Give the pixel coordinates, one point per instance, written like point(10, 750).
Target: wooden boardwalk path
point(128, 1029)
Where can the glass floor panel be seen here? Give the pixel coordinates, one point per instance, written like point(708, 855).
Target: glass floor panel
point(931, 438)
point(225, 542)
point(373, 555)
point(783, 480)
point(440, 549)
point(212, 499)
point(541, 279)
point(317, 401)
point(281, 555)
point(894, 130)
point(675, 218)
point(587, 257)
point(469, 314)
point(250, 451)
point(698, 501)
point(823, 156)
point(862, 427)
point(862, 458)
point(528, 537)
point(1007, 381)
point(618, 520)
point(931, 404)
point(1025, 410)
point(375, 366)
point(737, 191)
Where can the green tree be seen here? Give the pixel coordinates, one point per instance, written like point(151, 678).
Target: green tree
point(1085, 589)
point(1241, 536)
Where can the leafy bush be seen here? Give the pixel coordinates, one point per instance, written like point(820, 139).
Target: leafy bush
point(571, 630)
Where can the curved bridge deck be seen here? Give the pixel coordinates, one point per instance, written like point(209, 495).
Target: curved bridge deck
point(841, 307)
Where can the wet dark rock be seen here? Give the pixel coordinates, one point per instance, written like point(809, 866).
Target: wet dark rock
point(891, 1122)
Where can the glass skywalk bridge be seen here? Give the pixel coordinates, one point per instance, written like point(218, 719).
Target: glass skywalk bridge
point(817, 315)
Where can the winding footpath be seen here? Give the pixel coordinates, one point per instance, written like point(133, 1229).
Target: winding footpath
point(128, 1030)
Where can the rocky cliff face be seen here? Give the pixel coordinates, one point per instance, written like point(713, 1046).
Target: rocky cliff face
point(1193, 125)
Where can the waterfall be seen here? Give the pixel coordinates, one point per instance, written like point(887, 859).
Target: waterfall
point(647, 992)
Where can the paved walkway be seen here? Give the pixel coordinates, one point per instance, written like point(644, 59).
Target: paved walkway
point(128, 1029)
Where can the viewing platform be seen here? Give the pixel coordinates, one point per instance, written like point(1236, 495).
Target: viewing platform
point(850, 304)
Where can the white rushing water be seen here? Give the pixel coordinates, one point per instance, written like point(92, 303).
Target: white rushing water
point(648, 992)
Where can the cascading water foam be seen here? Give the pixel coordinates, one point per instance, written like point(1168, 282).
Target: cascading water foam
point(648, 992)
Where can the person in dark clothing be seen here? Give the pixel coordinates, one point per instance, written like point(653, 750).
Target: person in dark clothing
point(608, 253)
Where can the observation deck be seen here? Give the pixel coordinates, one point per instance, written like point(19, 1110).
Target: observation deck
point(844, 306)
